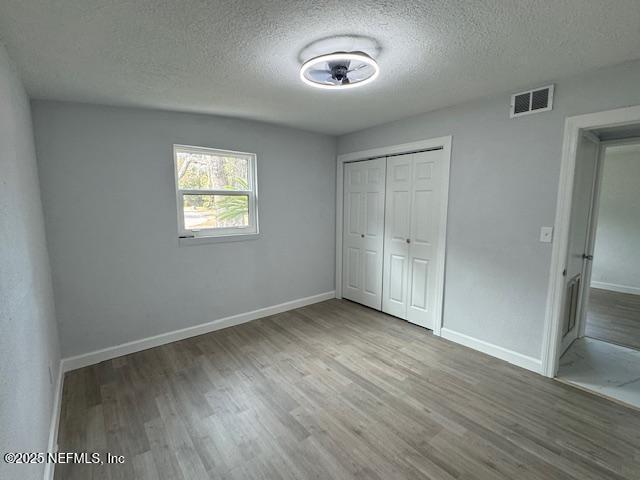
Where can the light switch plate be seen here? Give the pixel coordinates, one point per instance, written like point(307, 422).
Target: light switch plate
point(546, 234)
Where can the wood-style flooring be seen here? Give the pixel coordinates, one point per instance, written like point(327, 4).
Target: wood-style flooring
point(337, 391)
point(614, 317)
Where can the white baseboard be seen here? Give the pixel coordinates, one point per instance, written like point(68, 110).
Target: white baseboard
point(524, 361)
point(55, 423)
point(614, 287)
point(91, 358)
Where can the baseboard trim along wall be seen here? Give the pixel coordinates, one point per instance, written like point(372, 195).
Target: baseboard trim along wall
point(614, 287)
point(518, 359)
point(55, 423)
point(91, 358)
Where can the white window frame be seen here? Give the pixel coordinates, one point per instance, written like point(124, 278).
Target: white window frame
point(222, 233)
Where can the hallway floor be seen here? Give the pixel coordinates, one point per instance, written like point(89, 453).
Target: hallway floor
point(614, 317)
point(603, 367)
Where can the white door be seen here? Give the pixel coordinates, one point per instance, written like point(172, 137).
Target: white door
point(363, 231)
point(578, 252)
point(397, 234)
point(412, 229)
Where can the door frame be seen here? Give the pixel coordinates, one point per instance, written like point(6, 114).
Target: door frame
point(386, 151)
point(574, 127)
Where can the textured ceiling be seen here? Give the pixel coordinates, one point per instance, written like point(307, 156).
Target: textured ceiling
point(241, 57)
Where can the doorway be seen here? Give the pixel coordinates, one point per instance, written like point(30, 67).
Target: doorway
point(613, 307)
point(594, 306)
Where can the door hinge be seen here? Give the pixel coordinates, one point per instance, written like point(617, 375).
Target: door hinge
point(587, 257)
point(564, 272)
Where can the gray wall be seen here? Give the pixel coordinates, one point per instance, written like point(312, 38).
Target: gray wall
point(504, 180)
point(108, 190)
point(617, 250)
point(28, 338)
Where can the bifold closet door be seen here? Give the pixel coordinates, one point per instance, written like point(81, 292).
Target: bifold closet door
point(412, 225)
point(363, 231)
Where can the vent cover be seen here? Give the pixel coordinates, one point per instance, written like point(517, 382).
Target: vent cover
point(532, 101)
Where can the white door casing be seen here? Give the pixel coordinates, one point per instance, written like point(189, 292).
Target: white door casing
point(415, 192)
point(363, 230)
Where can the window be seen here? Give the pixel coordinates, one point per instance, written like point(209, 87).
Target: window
point(216, 192)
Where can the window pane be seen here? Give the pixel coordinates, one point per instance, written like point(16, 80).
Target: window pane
point(215, 211)
point(209, 171)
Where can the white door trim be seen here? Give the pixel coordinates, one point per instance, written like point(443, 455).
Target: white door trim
point(433, 143)
point(573, 127)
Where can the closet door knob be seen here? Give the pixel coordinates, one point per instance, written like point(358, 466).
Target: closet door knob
point(408, 240)
point(362, 235)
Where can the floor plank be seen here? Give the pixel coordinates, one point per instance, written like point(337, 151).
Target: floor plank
point(614, 317)
point(337, 390)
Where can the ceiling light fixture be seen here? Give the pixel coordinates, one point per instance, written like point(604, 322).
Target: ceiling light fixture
point(340, 70)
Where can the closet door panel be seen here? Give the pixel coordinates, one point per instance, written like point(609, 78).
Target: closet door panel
point(353, 268)
point(353, 203)
point(354, 215)
point(371, 283)
point(363, 231)
point(373, 232)
point(373, 228)
point(398, 218)
point(426, 193)
point(419, 284)
point(397, 277)
point(397, 231)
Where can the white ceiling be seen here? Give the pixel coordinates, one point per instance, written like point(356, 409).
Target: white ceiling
point(241, 57)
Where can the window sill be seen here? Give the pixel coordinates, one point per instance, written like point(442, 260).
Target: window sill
point(240, 237)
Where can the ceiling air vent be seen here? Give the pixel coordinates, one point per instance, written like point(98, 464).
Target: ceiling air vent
point(532, 101)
